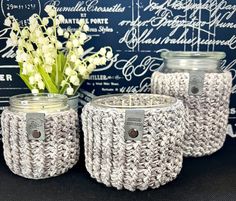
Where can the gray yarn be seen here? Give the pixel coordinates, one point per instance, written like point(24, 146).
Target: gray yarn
point(151, 162)
point(208, 113)
point(37, 159)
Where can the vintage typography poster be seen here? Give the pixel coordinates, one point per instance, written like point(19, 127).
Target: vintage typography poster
point(137, 30)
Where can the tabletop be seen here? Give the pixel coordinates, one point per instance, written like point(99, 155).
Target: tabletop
point(201, 179)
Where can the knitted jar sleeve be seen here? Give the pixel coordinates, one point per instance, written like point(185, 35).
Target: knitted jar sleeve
point(38, 159)
point(153, 161)
point(208, 112)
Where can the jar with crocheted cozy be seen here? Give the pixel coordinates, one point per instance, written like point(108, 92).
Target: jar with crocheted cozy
point(39, 133)
point(198, 80)
point(133, 141)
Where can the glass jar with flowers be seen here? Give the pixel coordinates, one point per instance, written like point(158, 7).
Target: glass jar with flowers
point(46, 63)
point(52, 64)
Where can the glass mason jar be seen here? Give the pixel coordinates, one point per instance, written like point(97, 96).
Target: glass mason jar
point(128, 141)
point(197, 79)
point(40, 138)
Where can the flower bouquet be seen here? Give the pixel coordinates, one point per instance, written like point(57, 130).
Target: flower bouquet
point(46, 63)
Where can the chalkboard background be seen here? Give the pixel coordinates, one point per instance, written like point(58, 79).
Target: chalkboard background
point(137, 30)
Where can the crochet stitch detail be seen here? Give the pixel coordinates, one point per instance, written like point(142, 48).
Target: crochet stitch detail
point(208, 112)
point(36, 159)
point(151, 162)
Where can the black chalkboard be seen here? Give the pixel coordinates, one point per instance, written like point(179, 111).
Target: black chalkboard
point(137, 30)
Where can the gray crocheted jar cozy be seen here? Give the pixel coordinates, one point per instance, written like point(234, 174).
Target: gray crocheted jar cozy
point(36, 159)
point(208, 112)
point(150, 162)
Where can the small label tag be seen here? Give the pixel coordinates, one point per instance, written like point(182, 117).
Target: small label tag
point(134, 124)
point(196, 82)
point(35, 126)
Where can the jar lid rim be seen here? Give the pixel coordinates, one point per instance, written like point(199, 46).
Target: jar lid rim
point(41, 98)
point(193, 55)
point(172, 100)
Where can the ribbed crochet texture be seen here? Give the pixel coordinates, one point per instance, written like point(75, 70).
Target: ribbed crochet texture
point(151, 162)
point(37, 159)
point(208, 112)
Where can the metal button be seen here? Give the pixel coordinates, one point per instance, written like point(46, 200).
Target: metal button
point(133, 133)
point(36, 134)
point(194, 90)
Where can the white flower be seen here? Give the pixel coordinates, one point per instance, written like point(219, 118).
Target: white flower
point(63, 83)
point(15, 26)
point(45, 41)
point(24, 71)
point(29, 47)
point(24, 33)
point(68, 71)
point(32, 80)
point(69, 44)
point(86, 76)
point(80, 51)
point(38, 33)
point(41, 85)
point(82, 70)
point(34, 91)
point(96, 61)
point(20, 42)
point(58, 22)
point(75, 42)
point(103, 51)
point(74, 80)
point(103, 61)
point(25, 65)
point(37, 77)
point(52, 13)
point(36, 60)
point(45, 48)
point(7, 22)
point(77, 33)
point(60, 31)
point(9, 43)
point(83, 36)
point(91, 60)
point(66, 34)
point(49, 60)
point(50, 31)
point(45, 21)
point(30, 68)
point(61, 18)
point(86, 28)
point(91, 68)
point(78, 62)
point(51, 46)
point(73, 58)
point(69, 91)
point(48, 69)
point(13, 37)
point(48, 8)
point(21, 57)
point(33, 21)
point(82, 22)
point(109, 55)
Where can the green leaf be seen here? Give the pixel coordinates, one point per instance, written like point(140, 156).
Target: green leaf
point(63, 61)
point(51, 87)
point(58, 68)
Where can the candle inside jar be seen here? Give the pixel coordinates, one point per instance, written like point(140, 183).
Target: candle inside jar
point(41, 103)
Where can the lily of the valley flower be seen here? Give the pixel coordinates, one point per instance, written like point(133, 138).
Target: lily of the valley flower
point(44, 66)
